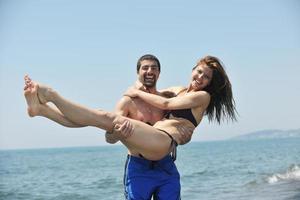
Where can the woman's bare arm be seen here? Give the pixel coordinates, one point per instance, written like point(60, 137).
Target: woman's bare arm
point(189, 100)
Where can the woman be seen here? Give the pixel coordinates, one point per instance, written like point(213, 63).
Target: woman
point(209, 92)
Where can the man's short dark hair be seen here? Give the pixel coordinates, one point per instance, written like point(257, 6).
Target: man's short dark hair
point(147, 57)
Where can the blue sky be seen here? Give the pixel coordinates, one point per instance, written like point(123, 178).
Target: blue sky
point(87, 50)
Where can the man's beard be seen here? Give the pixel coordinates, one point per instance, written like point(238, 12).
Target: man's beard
point(149, 83)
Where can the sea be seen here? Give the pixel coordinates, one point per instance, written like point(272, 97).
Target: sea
point(264, 169)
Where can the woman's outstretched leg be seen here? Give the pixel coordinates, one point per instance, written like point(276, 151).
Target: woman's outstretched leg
point(150, 142)
point(75, 112)
point(35, 108)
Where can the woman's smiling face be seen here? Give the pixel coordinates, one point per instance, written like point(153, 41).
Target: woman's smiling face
point(201, 77)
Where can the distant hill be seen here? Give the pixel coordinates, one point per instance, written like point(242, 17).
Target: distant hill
point(269, 134)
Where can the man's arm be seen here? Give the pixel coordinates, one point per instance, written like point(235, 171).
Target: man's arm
point(122, 108)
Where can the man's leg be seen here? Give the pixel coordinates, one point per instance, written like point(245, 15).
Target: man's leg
point(139, 179)
point(168, 191)
point(168, 187)
point(144, 178)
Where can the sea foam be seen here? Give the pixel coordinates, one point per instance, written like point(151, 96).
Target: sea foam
point(292, 173)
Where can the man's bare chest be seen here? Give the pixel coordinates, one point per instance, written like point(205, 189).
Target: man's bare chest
point(145, 112)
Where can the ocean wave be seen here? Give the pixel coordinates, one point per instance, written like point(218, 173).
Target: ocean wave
point(251, 183)
point(291, 174)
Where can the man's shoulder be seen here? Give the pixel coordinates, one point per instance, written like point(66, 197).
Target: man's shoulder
point(125, 101)
point(171, 91)
point(131, 102)
point(167, 94)
point(125, 106)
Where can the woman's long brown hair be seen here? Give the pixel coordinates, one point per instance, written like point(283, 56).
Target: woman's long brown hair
point(222, 104)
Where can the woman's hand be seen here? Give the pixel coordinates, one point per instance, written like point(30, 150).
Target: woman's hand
point(131, 92)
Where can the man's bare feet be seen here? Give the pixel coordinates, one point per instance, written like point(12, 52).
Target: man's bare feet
point(30, 93)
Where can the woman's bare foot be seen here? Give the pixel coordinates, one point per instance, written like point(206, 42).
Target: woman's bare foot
point(34, 106)
point(43, 91)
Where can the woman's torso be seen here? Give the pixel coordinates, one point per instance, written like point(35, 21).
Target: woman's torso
point(172, 123)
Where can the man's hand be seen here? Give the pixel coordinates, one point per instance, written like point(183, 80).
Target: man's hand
point(124, 130)
point(185, 134)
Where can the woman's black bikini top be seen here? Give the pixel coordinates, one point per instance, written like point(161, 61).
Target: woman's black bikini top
point(183, 113)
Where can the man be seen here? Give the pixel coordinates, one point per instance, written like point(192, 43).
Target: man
point(144, 178)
